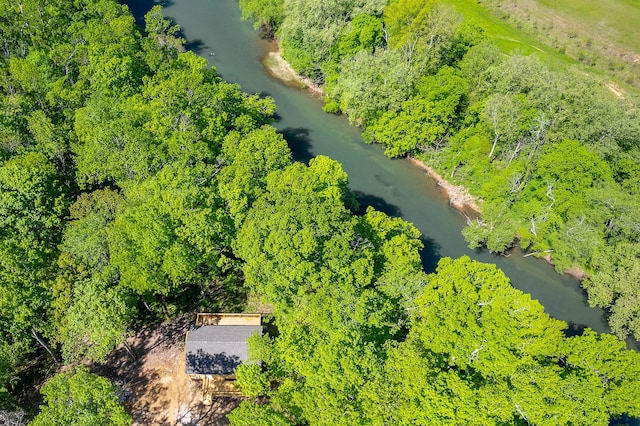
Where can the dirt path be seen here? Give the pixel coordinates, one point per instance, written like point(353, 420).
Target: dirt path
point(155, 388)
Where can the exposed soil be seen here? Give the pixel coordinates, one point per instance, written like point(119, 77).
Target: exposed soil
point(458, 195)
point(155, 389)
point(573, 271)
point(279, 68)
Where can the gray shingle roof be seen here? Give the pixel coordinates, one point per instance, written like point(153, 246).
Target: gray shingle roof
point(218, 349)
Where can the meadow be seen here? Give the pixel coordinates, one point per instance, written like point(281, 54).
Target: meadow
point(603, 35)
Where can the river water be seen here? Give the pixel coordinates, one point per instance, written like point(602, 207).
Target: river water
point(213, 29)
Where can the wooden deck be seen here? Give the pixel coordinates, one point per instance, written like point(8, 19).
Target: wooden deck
point(228, 319)
point(215, 386)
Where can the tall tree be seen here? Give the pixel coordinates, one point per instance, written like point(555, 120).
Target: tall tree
point(615, 286)
point(32, 205)
point(310, 29)
point(172, 232)
point(80, 398)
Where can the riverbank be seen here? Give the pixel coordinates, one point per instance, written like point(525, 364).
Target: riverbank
point(463, 201)
point(279, 68)
point(458, 195)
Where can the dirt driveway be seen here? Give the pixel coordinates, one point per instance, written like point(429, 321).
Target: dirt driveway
point(155, 389)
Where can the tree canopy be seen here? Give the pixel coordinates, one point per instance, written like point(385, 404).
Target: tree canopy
point(536, 143)
point(80, 398)
point(135, 183)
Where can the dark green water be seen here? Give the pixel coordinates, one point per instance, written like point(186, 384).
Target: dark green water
point(213, 29)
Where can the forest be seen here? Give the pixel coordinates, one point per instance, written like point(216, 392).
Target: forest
point(137, 185)
point(549, 151)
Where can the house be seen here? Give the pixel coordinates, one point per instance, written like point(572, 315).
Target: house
point(216, 347)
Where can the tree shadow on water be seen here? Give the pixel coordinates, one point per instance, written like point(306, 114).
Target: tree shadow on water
point(299, 143)
point(197, 46)
point(574, 329)
point(264, 94)
point(365, 200)
point(430, 254)
point(139, 8)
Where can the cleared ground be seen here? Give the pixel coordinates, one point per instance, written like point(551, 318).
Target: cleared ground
point(155, 389)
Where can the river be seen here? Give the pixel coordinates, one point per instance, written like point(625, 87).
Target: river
point(213, 29)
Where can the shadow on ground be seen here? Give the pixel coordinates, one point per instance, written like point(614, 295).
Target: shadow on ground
point(154, 387)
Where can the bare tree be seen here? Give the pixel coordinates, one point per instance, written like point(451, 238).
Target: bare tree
point(502, 112)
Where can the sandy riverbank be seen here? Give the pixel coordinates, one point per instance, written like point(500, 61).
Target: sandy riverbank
point(279, 68)
point(461, 200)
point(458, 195)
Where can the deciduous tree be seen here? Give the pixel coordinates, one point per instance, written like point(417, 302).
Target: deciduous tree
point(80, 398)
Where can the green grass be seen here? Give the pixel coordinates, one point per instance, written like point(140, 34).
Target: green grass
point(602, 37)
point(505, 36)
point(614, 20)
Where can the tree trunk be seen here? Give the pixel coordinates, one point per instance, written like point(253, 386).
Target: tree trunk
point(493, 147)
point(165, 308)
point(146, 305)
point(40, 340)
point(129, 349)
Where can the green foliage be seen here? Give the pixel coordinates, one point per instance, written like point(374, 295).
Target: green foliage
point(311, 29)
point(113, 64)
point(173, 231)
point(10, 357)
point(424, 120)
point(371, 84)
point(364, 32)
point(185, 181)
point(182, 116)
point(79, 397)
point(337, 283)
point(161, 44)
point(252, 381)
point(469, 367)
point(90, 314)
point(264, 13)
point(425, 33)
point(478, 302)
point(85, 237)
point(32, 203)
point(248, 159)
point(112, 144)
point(477, 62)
point(96, 322)
point(494, 230)
point(289, 225)
point(251, 414)
point(610, 367)
point(615, 286)
point(90, 102)
point(550, 152)
point(472, 349)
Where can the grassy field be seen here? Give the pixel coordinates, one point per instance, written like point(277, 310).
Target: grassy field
point(603, 35)
point(617, 21)
point(505, 36)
